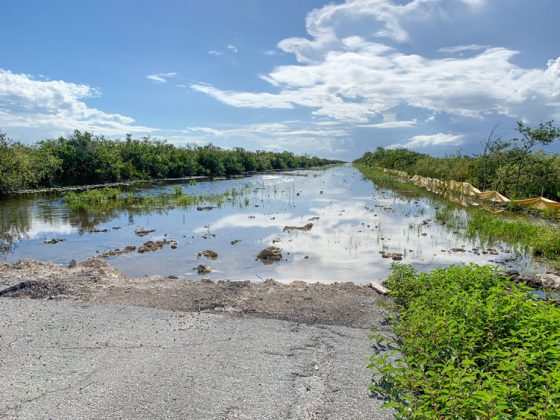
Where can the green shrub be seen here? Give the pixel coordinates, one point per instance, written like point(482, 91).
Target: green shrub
point(516, 167)
point(83, 158)
point(469, 343)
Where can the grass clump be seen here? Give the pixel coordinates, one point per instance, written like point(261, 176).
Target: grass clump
point(541, 238)
point(114, 199)
point(468, 343)
point(389, 181)
point(93, 196)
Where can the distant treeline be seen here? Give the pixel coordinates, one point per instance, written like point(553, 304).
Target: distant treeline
point(87, 159)
point(512, 167)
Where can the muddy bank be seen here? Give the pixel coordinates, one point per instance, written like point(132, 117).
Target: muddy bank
point(96, 282)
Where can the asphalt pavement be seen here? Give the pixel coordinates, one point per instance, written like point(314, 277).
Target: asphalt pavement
point(62, 359)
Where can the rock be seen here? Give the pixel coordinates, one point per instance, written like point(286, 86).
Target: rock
point(235, 241)
point(549, 281)
point(154, 245)
point(204, 269)
point(205, 208)
point(208, 253)
point(53, 241)
point(314, 218)
point(395, 256)
point(172, 277)
point(513, 273)
point(73, 264)
point(305, 228)
point(117, 251)
point(379, 288)
point(143, 232)
point(95, 230)
point(270, 254)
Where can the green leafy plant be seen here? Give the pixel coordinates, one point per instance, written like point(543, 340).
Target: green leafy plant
point(467, 343)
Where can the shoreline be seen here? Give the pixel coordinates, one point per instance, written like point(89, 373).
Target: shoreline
point(95, 281)
point(156, 180)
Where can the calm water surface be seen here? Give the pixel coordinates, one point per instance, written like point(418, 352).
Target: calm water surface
point(355, 222)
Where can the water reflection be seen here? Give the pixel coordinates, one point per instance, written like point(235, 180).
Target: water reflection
point(353, 221)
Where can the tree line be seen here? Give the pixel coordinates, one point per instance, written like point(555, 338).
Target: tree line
point(515, 168)
point(84, 158)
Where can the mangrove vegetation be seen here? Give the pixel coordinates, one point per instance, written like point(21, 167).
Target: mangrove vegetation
point(517, 168)
point(84, 158)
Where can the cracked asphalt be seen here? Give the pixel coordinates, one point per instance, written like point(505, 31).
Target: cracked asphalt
point(65, 359)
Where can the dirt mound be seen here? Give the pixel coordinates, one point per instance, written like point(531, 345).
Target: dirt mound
point(34, 290)
point(208, 253)
point(304, 228)
point(95, 282)
point(270, 254)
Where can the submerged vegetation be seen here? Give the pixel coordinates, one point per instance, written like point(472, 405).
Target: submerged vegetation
point(543, 239)
point(87, 159)
point(468, 343)
point(512, 167)
point(388, 181)
point(113, 198)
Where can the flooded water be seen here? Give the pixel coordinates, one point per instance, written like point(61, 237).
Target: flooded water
point(353, 221)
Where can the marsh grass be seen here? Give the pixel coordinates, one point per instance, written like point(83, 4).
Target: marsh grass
point(388, 181)
point(113, 198)
point(542, 239)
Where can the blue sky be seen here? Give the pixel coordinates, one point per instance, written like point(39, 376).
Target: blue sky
point(328, 78)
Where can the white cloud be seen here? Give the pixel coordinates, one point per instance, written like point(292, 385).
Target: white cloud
point(231, 47)
point(358, 77)
point(54, 107)
point(430, 140)
point(463, 48)
point(214, 52)
point(161, 77)
point(244, 99)
point(296, 136)
point(391, 124)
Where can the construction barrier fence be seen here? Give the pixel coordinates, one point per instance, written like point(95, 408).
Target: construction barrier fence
point(466, 189)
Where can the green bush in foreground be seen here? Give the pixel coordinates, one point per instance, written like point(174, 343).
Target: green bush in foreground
point(468, 344)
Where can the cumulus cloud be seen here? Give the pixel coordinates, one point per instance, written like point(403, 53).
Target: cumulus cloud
point(161, 77)
point(296, 136)
point(56, 107)
point(463, 48)
point(359, 76)
point(430, 140)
